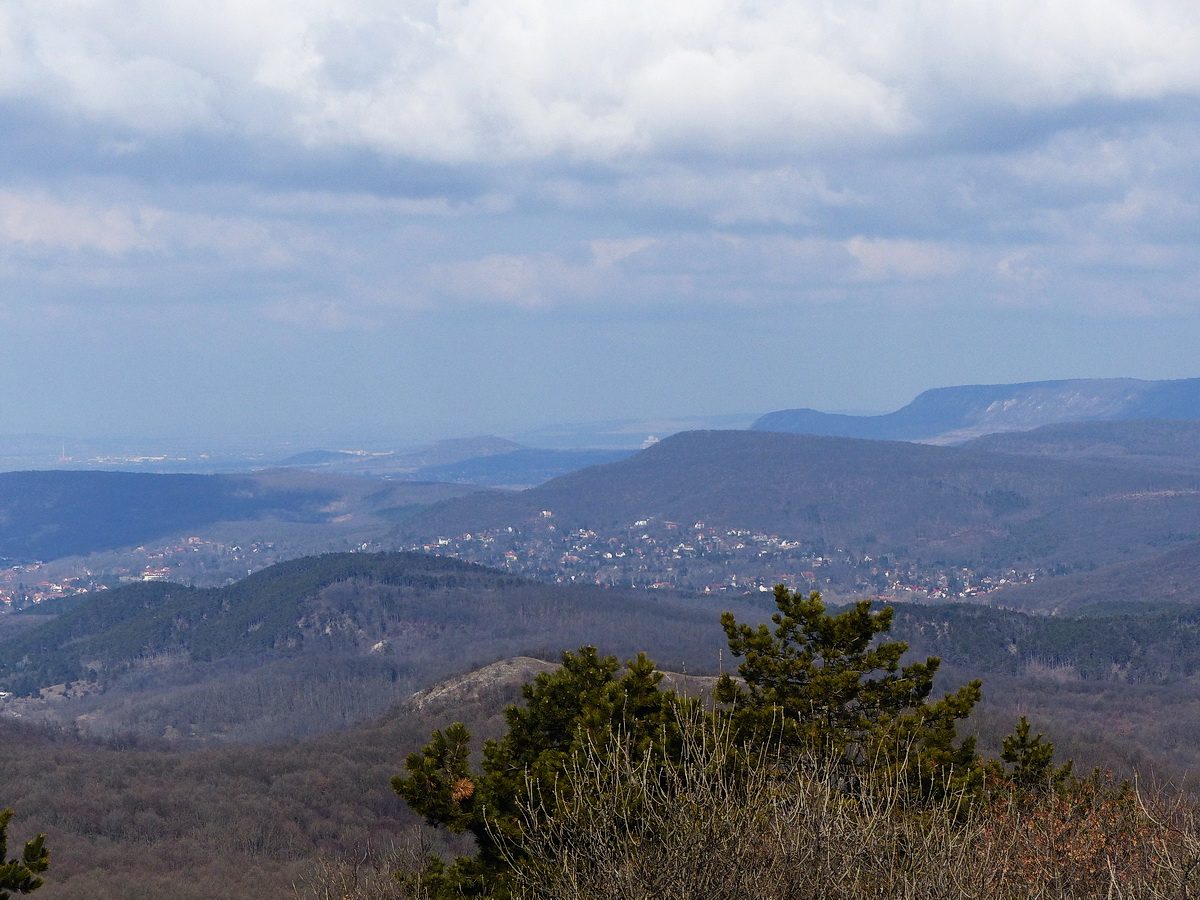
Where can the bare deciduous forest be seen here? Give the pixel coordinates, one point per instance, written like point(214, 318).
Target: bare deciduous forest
point(172, 741)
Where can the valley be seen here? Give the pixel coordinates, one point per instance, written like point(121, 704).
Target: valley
point(512, 450)
point(254, 727)
point(248, 658)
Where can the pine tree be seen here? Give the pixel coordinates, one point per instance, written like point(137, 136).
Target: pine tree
point(21, 875)
point(583, 704)
point(1031, 761)
point(818, 684)
point(826, 684)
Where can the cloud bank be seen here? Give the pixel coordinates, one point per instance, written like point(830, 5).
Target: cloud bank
point(354, 166)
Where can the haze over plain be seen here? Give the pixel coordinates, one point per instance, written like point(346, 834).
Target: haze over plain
point(365, 219)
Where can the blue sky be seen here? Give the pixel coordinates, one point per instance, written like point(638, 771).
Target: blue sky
point(352, 219)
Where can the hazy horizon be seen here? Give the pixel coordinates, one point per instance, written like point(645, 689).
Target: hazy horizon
point(426, 219)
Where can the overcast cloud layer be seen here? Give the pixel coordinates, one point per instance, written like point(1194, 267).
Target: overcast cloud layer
point(350, 218)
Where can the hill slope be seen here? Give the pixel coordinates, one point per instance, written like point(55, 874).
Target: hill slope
point(128, 820)
point(1163, 444)
point(525, 467)
point(961, 506)
point(46, 515)
point(954, 414)
point(485, 461)
point(1172, 577)
point(399, 463)
point(316, 643)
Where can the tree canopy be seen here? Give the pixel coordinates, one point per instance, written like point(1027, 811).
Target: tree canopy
point(817, 683)
point(826, 684)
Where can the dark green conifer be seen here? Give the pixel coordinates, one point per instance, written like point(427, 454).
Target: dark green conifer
point(1031, 761)
point(826, 684)
point(21, 875)
point(582, 704)
point(818, 683)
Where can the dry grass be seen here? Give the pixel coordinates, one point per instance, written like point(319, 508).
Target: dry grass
point(715, 829)
point(722, 826)
point(370, 874)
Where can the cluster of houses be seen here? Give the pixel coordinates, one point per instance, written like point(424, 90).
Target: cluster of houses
point(696, 556)
point(651, 553)
point(22, 585)
point(190, 561)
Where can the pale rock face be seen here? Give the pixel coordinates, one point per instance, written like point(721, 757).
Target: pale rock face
point(953, 415)
point(471, 686)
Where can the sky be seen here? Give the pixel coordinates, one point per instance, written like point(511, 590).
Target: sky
point(410, 219)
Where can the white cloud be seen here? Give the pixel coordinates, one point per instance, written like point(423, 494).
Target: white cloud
point(537, 279)
point(1035, 54)
point(720, 269)
point(358, 203)
point(41, 225)
point(530, 154)
point(37, 222)
point(321, 314)
point(610, 251)
point(1143, 206)
point(717, 268)
point(888, 260)
point(497, 80)
point(727, 196)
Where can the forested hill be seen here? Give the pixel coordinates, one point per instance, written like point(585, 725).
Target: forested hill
point(319, 642)
point(50, 514)
point(955, 414)
point(274, 612)
point(959, 505)
point(324, 642)
point(1162, 444)
point(1172, 577)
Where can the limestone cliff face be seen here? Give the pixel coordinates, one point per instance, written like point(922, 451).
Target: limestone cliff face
point(955, 414)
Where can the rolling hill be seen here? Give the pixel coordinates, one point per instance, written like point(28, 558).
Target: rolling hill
point(315, 644)
point(399, 463)
point(323, 643)
point(960, 506)
point(956, 414)
point(289, 652)
point(1151, 444)
point(46, 515)
point(522, 468)
point(1166, 578)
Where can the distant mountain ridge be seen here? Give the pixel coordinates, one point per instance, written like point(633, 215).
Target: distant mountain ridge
point(951, 415)
point(485, 461)
point(526, 467)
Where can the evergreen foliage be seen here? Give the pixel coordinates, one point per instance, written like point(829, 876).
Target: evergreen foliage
point(579, 705)
point(825, 684)
point(819, 686)
point(22, 875)
point(1031, 761)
